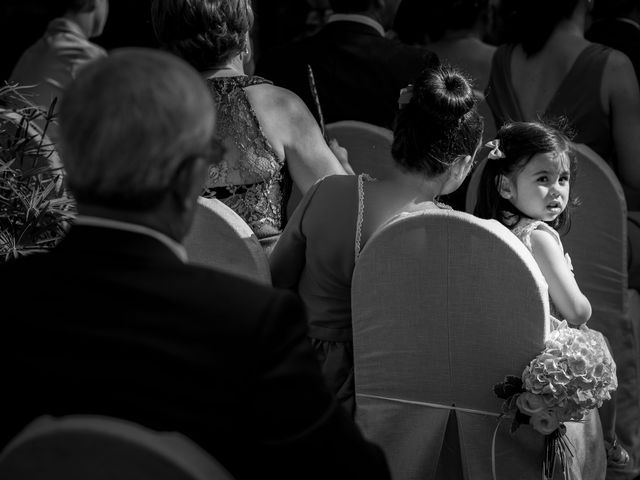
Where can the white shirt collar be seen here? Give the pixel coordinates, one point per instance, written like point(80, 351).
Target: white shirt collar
point(174, 246)
point(629, 21)
point(353, 17)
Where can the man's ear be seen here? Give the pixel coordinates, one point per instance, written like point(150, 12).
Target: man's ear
point(505, 188)
point(189, 180)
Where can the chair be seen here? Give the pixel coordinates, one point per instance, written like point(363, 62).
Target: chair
point(369, 148)
point(219, 238)
point(597, 244)
point(104, 448)
point(444, 305)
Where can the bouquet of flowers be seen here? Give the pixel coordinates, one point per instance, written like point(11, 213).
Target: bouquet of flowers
point(572, 375)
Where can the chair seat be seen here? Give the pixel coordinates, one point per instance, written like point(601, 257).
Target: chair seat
point(104, 448)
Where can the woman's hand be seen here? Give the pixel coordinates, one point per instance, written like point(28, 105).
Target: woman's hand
point(341, 154)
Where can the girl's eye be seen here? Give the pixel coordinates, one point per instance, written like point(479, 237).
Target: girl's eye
point(542, 179)
point(564, 178)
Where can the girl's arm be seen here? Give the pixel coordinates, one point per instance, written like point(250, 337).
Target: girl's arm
point(563, 289)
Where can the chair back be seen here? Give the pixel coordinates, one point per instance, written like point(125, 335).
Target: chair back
point(82, 447)
point(369, 148)
point(219, 238)
point(597, 244)
point(444, 305)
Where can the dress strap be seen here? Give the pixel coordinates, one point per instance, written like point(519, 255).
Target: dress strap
point(361, 178)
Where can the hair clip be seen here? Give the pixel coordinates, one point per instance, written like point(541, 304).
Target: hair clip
point(405, 96)
point(495, 152)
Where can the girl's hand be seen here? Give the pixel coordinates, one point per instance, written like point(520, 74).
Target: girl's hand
point(563, 289)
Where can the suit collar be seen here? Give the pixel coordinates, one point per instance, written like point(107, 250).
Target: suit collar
point(174, 246)
point(112, 243)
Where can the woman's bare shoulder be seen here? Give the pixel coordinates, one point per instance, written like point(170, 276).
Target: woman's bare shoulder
point(269, 97)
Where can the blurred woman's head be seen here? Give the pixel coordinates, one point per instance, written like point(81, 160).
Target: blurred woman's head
point(206, 33)
point(439, 125)
point(535, 21)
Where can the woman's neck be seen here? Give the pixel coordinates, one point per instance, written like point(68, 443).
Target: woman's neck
point(233, 68)
point(418, 187)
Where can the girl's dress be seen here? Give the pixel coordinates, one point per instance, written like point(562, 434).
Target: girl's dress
point(591, 458)
point(258, 185)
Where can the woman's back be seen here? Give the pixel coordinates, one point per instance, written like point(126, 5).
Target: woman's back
point(559, 81)
point(251, 179)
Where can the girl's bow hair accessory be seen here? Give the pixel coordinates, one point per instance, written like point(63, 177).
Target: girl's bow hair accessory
point(405, 96)
point(495, 152)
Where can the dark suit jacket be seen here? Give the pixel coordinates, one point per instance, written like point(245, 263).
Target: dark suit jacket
point(358, 73)
point(112, 323)
point(619, 35)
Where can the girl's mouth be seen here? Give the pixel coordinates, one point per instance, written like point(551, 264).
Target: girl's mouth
point(554, 207)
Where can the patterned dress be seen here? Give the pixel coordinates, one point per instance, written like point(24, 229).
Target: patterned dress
point(256, 183)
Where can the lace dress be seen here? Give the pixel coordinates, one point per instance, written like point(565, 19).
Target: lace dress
point(255, 183)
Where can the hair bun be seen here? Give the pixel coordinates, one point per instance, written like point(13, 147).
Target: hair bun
point(443, 94)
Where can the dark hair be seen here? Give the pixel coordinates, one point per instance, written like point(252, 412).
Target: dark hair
point(535, 21)
point(520, 142)
point(613, 8)
point(417, 18)
point(439, 123)
point(350, 6)
point(206, 33)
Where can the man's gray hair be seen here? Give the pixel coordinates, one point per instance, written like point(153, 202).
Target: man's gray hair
point(127, 122)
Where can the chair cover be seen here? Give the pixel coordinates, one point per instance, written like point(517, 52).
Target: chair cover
point(369, 148)
point(445, 305)
point(78, 447)
point(220, 239)
point(597, 243)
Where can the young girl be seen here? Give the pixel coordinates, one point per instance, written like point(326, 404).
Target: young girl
point(526, 186)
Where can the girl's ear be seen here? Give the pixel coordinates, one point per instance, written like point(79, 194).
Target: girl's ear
point(505, 188)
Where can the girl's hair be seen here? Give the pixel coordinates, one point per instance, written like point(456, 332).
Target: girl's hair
point(205, 33)
point(439, 124)
point(520, 142)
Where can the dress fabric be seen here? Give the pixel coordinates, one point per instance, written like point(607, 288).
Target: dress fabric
point(589, 459)
point(256, 185)
point(577, 98)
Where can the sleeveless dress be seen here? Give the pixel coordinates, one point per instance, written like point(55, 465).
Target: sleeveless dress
point(257, 186)
point(315, 257)
point(589, 461)
point(577, 98)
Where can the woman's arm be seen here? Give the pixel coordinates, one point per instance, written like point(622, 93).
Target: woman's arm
point(563, 289)
point(294, 133)
point(620, 82)
point(288, 259)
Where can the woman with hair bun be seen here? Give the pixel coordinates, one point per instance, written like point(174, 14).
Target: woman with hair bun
point(437, 133)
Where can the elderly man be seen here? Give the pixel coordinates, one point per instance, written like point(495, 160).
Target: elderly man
point(114, 322)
